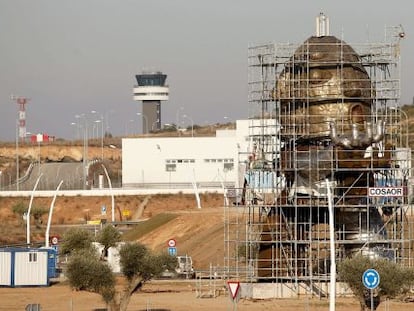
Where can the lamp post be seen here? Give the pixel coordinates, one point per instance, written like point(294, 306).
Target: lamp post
point(107, 120)
point(76, 132)
point(102, 135)
point(145, 119)
point(177, 117)
point(127, 125)
point(192, 124)
point(85, 147)
point(29, 210)
point(17, 156)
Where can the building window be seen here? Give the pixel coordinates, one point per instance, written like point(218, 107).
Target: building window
point(170, 167)
point(228, 167)
point(32, 257)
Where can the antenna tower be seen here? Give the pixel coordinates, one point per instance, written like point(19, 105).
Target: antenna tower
point(21, 102)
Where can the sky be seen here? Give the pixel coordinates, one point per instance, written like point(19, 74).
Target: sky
point(70, 58)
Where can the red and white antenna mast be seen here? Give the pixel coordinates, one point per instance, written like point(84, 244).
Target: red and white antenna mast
point(21, 102)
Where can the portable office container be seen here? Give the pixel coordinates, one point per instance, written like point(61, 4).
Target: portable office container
point(27, 266)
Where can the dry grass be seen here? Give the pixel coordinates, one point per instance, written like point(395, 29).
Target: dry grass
point(139, 230)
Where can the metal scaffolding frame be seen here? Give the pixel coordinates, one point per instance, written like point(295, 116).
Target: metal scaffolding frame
point(276, 228)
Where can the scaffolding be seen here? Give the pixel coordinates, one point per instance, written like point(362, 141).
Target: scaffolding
point(322, 114)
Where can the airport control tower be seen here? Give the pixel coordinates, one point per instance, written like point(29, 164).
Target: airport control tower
point(151, 89)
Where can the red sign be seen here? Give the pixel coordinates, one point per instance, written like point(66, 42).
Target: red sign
point(54, 240)
point(234, 288)
point(171, 243)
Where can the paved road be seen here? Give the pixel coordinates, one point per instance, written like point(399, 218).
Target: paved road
point(52, 173)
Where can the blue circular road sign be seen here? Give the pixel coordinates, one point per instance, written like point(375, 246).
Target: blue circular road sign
point(371, 278)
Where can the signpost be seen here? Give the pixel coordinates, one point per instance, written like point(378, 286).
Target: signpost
point(371, 280)
point(172, 250)
point(234, 287)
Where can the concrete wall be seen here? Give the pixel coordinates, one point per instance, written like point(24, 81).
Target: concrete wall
point(290, 290)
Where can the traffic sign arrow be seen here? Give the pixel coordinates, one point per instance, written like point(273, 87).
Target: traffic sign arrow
point(371, 278)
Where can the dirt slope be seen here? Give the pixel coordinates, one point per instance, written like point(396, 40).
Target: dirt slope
point(198, 233)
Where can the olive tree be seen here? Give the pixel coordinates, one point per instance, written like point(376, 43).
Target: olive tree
point(86, 271)
point(19, 209)
point(109, 236)
point(38, 212)
point(394, 279)
point(76, 239)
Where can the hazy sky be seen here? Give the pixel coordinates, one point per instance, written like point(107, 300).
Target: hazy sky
point(72, 57)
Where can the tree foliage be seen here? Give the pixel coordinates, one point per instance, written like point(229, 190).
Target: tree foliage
point(20, 208)
point(137, 261)
point(87, 271)
point(38, 212)
point(76, 239)
point(394, 279)
point(109, 236)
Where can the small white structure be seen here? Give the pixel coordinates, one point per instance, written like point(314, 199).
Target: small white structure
point(26, 266)
point(112, 257)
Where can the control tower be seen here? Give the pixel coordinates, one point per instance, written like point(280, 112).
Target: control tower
point(151, 90)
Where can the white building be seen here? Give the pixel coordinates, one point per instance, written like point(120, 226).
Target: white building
point(178, 162)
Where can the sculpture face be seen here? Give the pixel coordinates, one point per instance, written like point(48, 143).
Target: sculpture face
point(324, 82)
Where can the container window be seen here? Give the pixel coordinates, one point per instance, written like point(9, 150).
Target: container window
point(32, 257)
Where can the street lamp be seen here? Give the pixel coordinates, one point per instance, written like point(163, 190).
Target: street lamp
point(85, 147)
point(127, 125)
point(107, 120)
point(17, 156)
point(192, 124)
point(102, 135)
point(146, 120)
point(76, 135)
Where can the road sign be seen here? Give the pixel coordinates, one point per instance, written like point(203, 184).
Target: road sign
point(234, 288)
point(171, 243)
point(371, 278)
point(172, 251)
point(54, 240)
point(103, 210)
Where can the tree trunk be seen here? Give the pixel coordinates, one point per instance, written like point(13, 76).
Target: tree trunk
point(133, 285)
point(121, 300)
point(114, 306)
